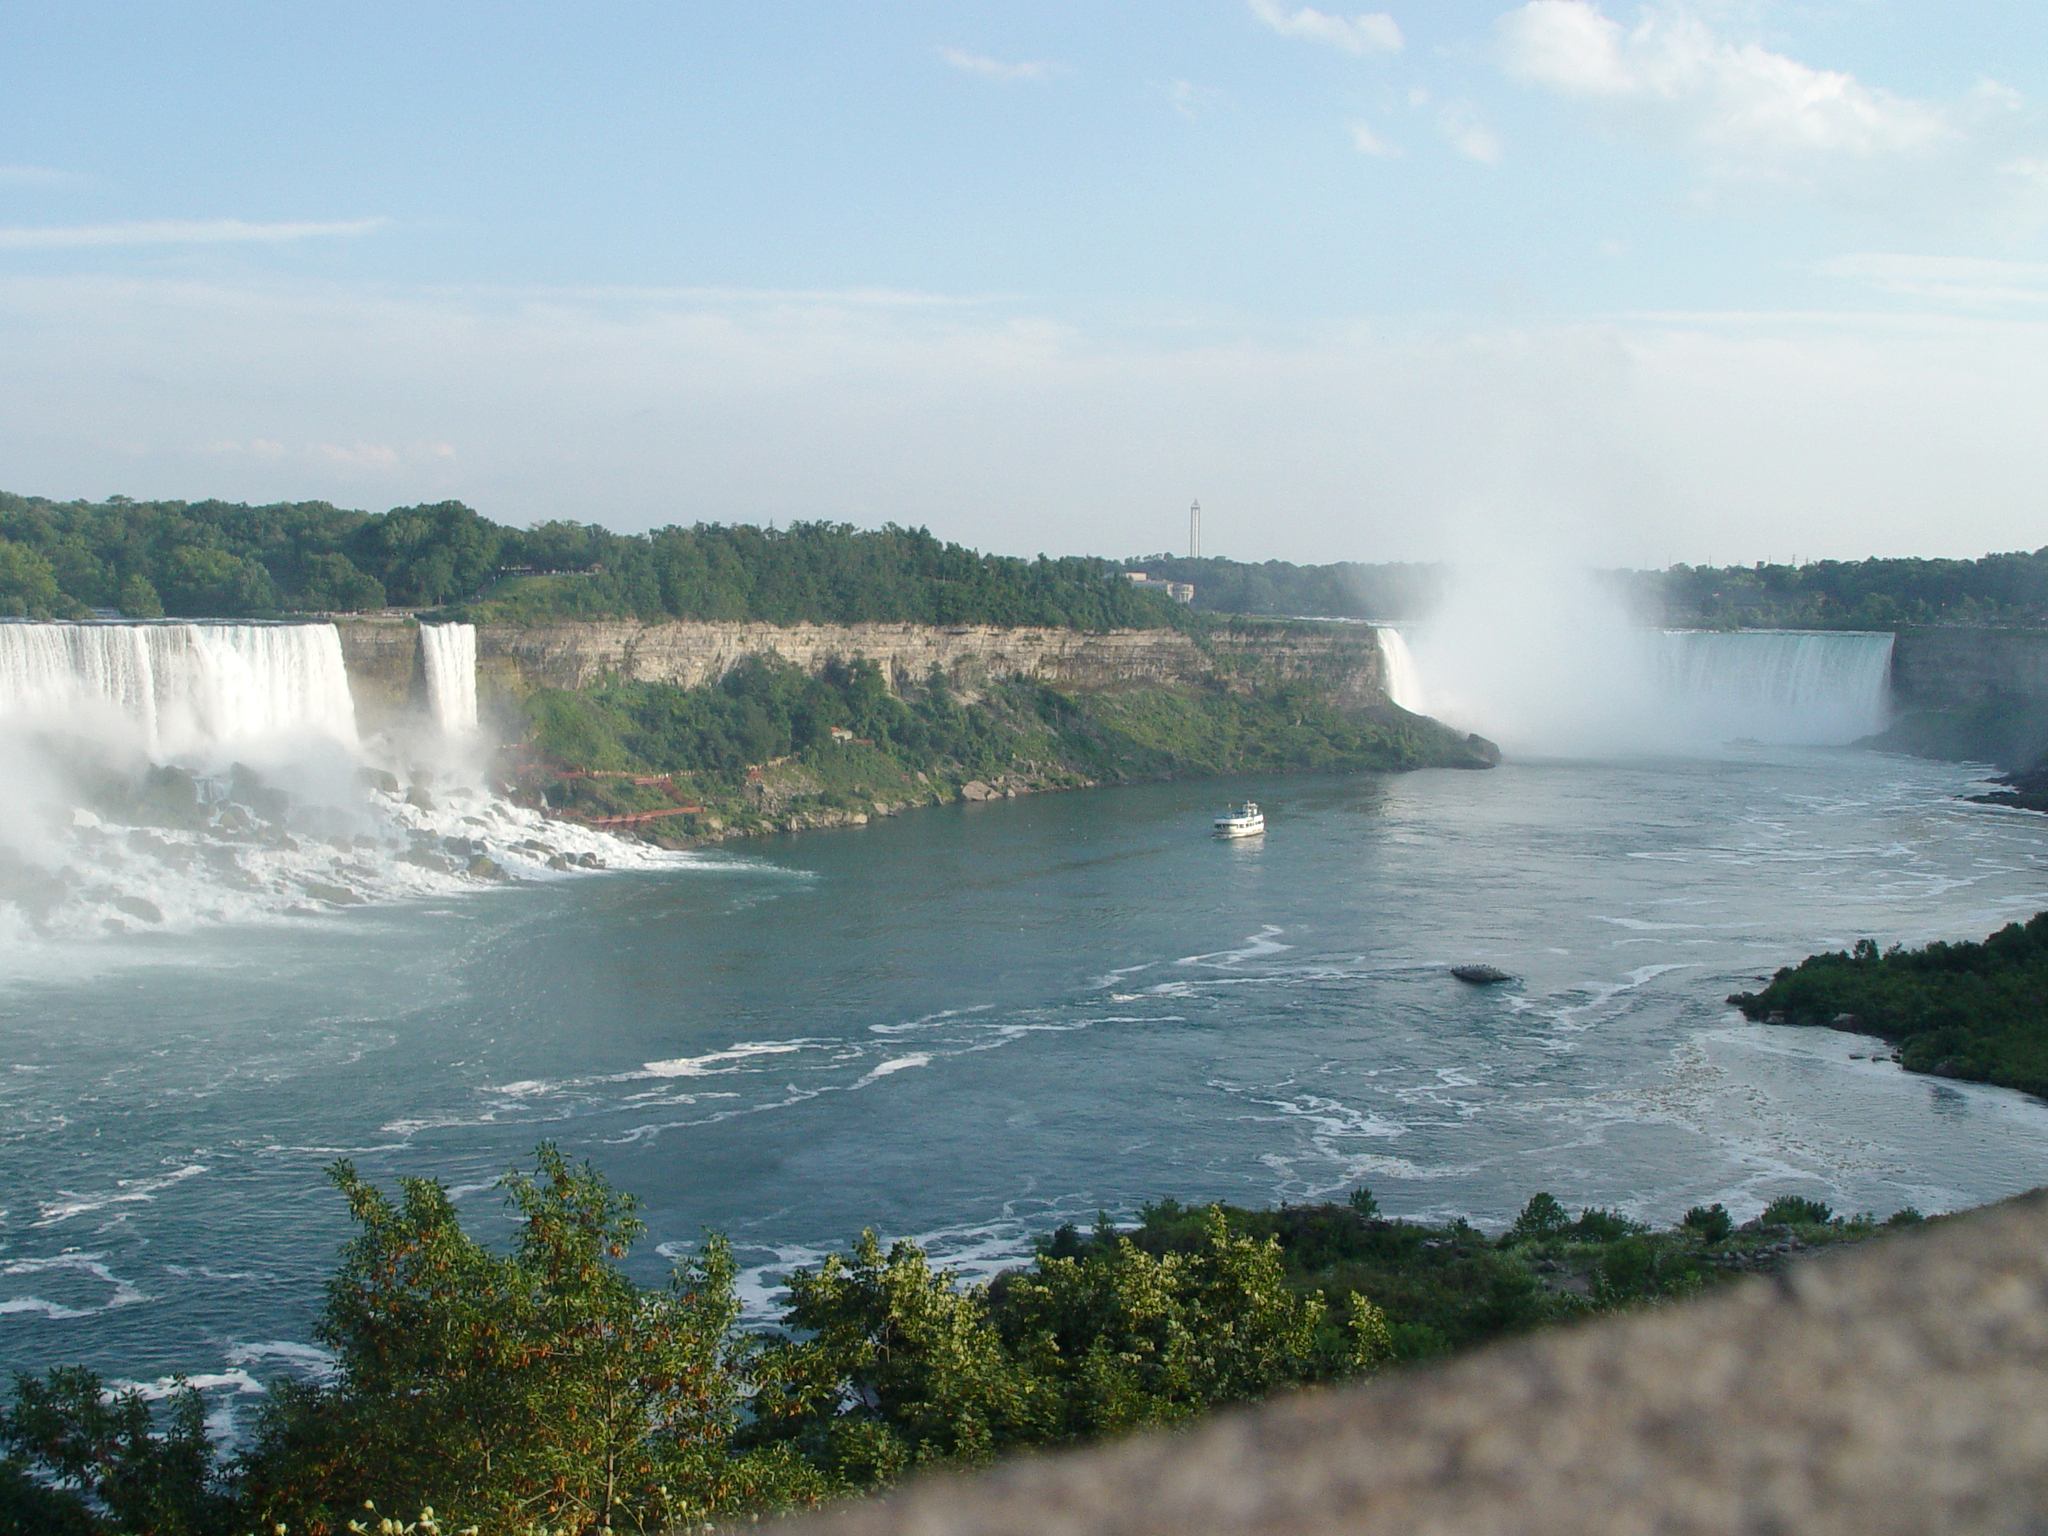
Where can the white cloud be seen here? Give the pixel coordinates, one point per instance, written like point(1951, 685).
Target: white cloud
point(1966, 280)
point(1467, 133)
point(1740, 106)
point(996, 69)
point(1368, 32)
point(32, 176)
point(175, 232)
point(1370, 143)
point(1191, 100)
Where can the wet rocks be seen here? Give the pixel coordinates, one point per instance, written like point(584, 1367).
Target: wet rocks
point(1481, 975)
point(333, 895)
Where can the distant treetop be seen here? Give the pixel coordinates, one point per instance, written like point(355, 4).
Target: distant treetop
point(215, 559)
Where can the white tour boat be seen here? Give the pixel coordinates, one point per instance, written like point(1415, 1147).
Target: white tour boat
point(1248, 822)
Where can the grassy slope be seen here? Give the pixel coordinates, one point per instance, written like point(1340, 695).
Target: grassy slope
point(1015, 737)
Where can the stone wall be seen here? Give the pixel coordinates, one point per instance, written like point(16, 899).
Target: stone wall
point(384, 666)
point(1897, 1389)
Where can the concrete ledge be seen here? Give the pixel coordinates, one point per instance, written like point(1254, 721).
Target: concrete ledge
point(1900, 1387)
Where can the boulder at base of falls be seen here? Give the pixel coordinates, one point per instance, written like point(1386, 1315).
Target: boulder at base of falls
point(335, 895)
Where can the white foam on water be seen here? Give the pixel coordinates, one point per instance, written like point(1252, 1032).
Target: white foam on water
point(125, 1192)
point(1255, 947)
point(125, 1293)
point(893, 1065)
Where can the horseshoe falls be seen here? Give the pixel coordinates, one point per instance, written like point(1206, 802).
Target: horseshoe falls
point(1822, 687)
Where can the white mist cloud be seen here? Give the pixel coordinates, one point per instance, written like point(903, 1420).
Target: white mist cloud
point(996, 69)
point(177, 232)
point(1366, 33)
point(1736, 105)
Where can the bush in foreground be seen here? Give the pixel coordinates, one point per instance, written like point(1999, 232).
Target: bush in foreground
point(541, 1389)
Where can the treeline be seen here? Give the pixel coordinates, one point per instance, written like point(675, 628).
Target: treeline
point(542, 1389)
point(214, 559)
point(1972, 1011)
point(1844, 594)
point(1344, 590)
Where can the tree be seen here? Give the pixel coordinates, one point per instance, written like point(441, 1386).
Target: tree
point(83, 1451)
point(541, 1385)
point(28, 585)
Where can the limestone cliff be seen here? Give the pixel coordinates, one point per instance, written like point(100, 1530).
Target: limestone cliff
point(1341, 661)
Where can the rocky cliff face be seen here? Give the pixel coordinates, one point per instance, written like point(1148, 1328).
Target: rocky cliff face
point(384, 666)
point(1950, 668)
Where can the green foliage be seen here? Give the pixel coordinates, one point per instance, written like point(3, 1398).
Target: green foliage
point(222, 559)
point(1344, 590)
point(539, 1386)
point(80, 1454)
point(1974, 1011)
point(1541, 1218)
point(894, 1365)
point(28, 586)
point(1796, 1210)
point(1711, 1222)
point(540, 1389)
point(139, 599)
point(767, 709)
point(1846, 594)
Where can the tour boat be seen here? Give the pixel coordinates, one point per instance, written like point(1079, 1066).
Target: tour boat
point(1248, 822)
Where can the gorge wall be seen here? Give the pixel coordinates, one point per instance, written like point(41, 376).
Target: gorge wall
point(386, 669)
point(1950, 668)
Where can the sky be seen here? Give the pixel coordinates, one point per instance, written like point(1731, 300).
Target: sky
point(1708, 280)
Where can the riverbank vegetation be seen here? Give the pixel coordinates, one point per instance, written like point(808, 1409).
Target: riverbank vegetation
point(540, 1387)
point(768, 743)
point(1973, 1011)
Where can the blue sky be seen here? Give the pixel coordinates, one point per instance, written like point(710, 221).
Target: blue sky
point(1696, 280)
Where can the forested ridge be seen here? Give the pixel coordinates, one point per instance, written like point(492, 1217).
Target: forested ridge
point(218, 559)
point(2010, 588)
point(537, 1387)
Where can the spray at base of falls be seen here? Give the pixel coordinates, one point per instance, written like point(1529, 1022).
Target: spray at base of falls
point(174, 775)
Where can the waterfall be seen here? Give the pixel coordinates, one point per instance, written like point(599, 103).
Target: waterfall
point(449, 651)
point(1398, 672)
point(1821, 687)
point(1571, 686)
point(164, 776)
point(188, 688)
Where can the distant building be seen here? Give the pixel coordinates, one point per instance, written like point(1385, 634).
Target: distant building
point(1179, 591)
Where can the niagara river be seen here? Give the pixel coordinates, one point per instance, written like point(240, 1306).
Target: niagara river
point(968, 1025)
